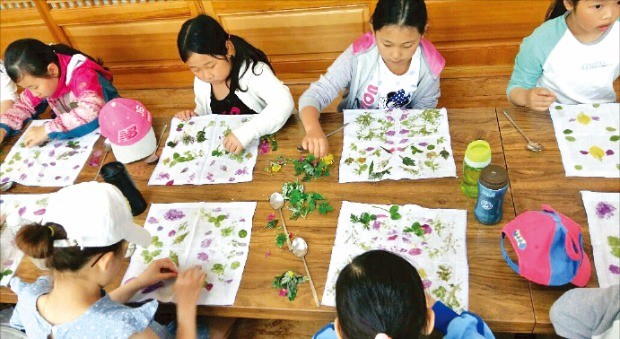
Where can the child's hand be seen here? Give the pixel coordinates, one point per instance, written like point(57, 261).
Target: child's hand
point(232, 144)
point(35, 136)
point(540, 99)
point(185, 115)
point(316, 143)
point(157, 270)
point(188, 286)
point(429, 300)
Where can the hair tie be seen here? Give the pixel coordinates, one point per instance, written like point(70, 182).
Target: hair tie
point(382, 336)
point(51, 230)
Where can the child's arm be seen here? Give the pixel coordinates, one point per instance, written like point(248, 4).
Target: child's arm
point(157, 270)
point(522, 90)
point(187, 291)
point(320, 94)
point(279, 105)
point(27, 106)
point(453, 325)
point(537, 98)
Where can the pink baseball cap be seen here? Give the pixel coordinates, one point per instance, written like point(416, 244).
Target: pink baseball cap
point(549, 248)
point(128, 126)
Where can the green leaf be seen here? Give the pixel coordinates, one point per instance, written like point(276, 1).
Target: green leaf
point(243, 234)
point(325, 207)
point(226, 232)
point(610, 129)
point(174, 257)
point(614, 138)
point(179, 239)
point(280, 240)
point(408, 161)
point(614, 244)
point(235, 265)
point(569, 138)
point(218, 269)
point(272, 223)
point(568, 131)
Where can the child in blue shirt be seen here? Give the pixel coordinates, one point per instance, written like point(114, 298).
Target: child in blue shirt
point(380, 295)
point(573, 58)
point(392, 66)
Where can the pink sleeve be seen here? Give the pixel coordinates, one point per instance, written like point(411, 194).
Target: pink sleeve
point(21, 110)
point(433, 57)
point(85, 87)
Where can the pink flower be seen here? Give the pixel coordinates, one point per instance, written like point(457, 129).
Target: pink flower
point(415, 251)
point(264, 148)
point(267, 254)
point(202, 256)
point(209, 286)
point(271, 216)
point(283, 292)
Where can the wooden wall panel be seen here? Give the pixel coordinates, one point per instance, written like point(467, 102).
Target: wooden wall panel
point(18, 23)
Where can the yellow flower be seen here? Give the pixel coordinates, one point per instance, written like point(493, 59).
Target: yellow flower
point(291, 274)
point(275, 167)
point(328, 159)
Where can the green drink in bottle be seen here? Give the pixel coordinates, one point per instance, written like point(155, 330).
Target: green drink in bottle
point(477, 157)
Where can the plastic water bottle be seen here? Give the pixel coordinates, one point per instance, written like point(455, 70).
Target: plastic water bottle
point(477, 157)
point(492, 187)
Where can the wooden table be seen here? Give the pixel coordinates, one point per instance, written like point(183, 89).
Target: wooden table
point(497, 294)
point(539, 178)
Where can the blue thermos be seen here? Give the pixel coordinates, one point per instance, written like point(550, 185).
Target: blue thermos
point(492, 186)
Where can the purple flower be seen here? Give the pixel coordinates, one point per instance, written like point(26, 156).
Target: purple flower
point(609, 152)
point(390, 133)
point(58, 144)
point(206, 243)
point(172, 233)
point(41, 175)
point(39, 212)
point(202, 256)
point(390, 142)
point(217, 210)
point(153, 287)
point(228, 281)
point(170, 183)
point(423, 144)
point(614, 269)
point(51, 153)
point(242, 220)
point(159, 228)
point(368, 149)
point(53, 163)
point(404, 131)
point(242, 171)
point(571, 119)
point(404, 116)
point(604, 210)
point(426, 283)
point(392, 237)
point(381, 216)
point(8, 262)
point(212, 163)
point(45, 165)
point(583, 152)
point(595, 118)
point(152, 220)
point(21, 210)
point(23, 176)
point(404, 141)
point(184, 170)
point(224, 168)
point(5, 179)
point(173, 214)
point(427, 229)
point(389, 118)
point(74, 167)
point(57, 177)
point(376, 225)
point(231, 179)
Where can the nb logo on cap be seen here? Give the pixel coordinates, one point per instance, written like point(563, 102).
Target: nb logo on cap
point(128, 133)
point(521, 243)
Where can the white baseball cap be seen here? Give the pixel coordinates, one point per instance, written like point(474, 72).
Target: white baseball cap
point(128, 126)
point(94, 214)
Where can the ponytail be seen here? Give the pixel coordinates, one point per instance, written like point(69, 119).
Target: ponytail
point(37, 241)
point(204, 35)
point(557, 9)
point(31, 56)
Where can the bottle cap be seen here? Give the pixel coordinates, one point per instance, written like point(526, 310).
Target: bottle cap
point(493, 177)
point(478, 151)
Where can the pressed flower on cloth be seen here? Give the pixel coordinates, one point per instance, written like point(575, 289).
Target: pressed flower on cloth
point(16, 210)
point(433, 240)
point(396, 144)
point(588, 136)
point(194, 155)
point(214, 236)
point(56, 163)
point(603, 211)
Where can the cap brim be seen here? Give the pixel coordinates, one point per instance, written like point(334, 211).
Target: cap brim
point(138, 235)
point(137, 151)
point(584, 271)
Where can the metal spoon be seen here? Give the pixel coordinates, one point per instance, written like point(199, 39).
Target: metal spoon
point(276, 200)
point(300, 148)
point(7, 186)
point(300, 249)
point(532, 146)
point(107, 146)
point(151, 159)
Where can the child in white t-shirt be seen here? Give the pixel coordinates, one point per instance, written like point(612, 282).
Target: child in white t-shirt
point(571, 59)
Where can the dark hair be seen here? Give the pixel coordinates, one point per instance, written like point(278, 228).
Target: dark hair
point(557, 9)
point(31, 56)
point(401, 13)
point(37, 241)
point(204, 35)
point(380, 292)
